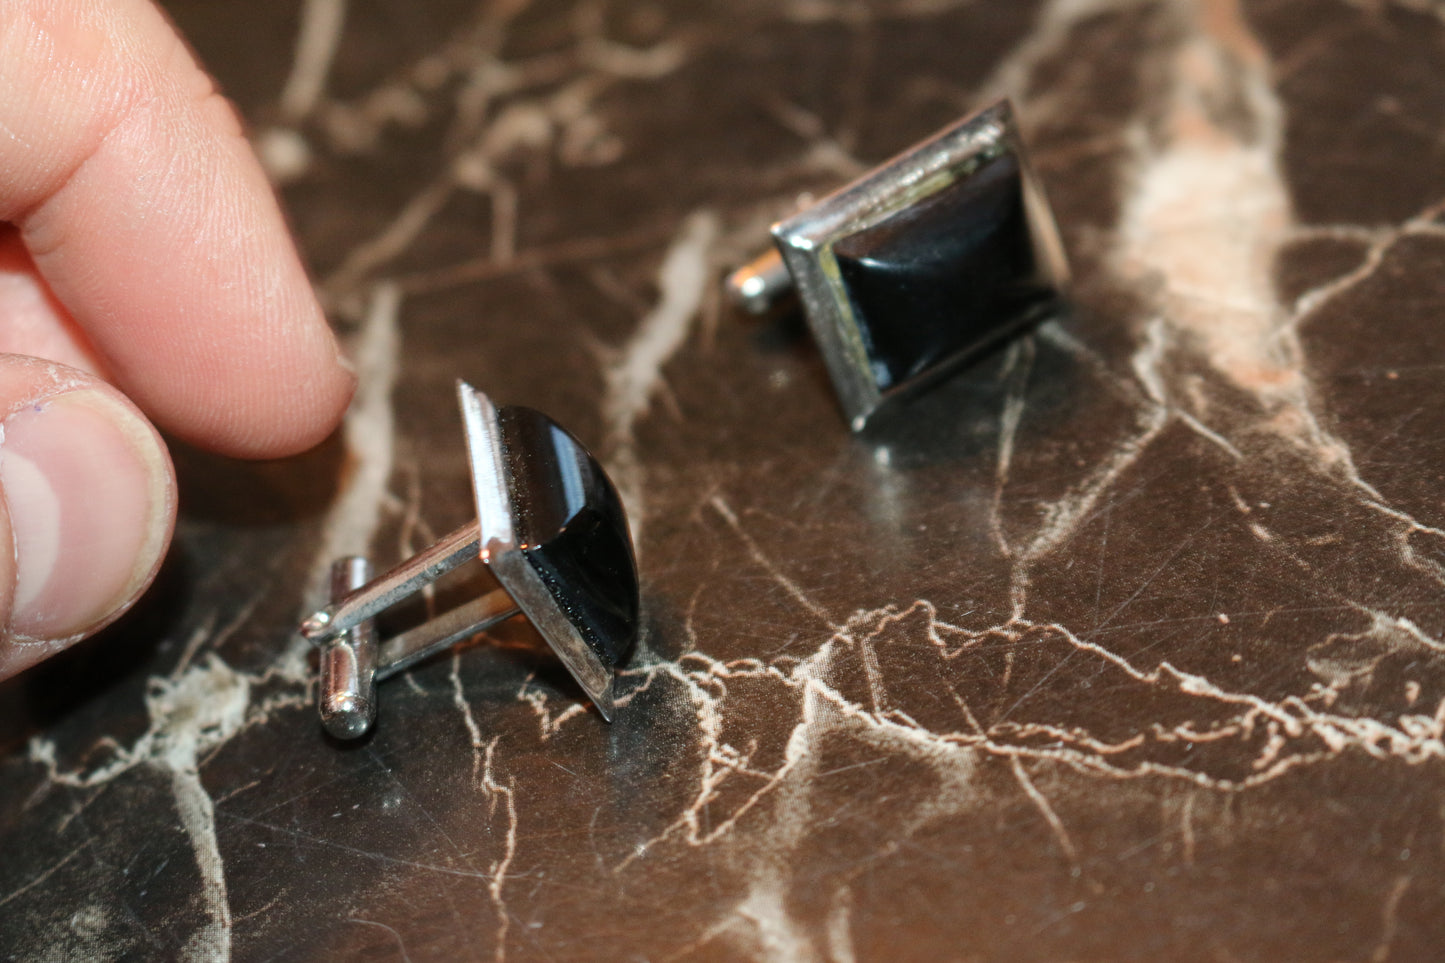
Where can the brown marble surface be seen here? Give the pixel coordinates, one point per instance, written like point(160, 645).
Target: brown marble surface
point(1127, 644)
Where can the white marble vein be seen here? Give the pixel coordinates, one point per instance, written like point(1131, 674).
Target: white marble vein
point(503, 795)
point(192, 712)
point(370, 432)
point(283, 149)
point(634, 376)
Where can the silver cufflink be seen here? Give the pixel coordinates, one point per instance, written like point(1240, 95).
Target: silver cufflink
point(551, 528)
point(920, 265)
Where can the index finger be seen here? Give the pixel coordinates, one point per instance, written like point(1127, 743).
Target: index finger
point(151, 220)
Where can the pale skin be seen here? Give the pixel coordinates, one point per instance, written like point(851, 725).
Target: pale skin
point(147, 280)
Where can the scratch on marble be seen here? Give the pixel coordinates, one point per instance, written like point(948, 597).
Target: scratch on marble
point(1219, 306)
point(1288, 722)
point(1245, 221)
point(707, 688)
point(1062, 517)
point(43, 876)
point(400, 943)
point(353, 850)
point(1222, 302)
point(724, 510)
point(1307, 305)
point(1297, 734)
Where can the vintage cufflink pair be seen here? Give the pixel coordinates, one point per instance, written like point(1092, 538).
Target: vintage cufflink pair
point(904, 275)
point(919, 266)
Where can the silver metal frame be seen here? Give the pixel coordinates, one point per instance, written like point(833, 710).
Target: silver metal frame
point(505, 557)
point(806, 241)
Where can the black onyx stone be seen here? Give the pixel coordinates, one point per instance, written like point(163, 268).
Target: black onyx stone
point(946, 276)
point(571, 528)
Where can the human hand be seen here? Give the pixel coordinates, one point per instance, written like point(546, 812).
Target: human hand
point(144, 268)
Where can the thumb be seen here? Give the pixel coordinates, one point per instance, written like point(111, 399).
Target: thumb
point(87, 506)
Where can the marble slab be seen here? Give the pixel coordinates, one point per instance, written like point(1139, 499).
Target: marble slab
point(1127, 643)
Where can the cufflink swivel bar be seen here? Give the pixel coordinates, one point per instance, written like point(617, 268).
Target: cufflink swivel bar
point(353, 661)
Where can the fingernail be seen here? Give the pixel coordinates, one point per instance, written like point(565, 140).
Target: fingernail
point(91, 496)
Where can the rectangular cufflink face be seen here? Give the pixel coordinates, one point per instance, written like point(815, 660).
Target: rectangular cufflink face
point(925, 262)
point(553, 531)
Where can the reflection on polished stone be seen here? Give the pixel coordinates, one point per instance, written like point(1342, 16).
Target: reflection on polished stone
point(946, 276)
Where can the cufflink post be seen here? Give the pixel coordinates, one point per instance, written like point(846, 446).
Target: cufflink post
point(347, 698)
point(759, 285)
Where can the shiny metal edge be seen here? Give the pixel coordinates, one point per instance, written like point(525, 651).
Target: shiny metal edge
point(1048, 244)
point(346, 692)
point(487, 462)
point(406, 649)
point(381, 593)
point(895, 183)
point(526, 588)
